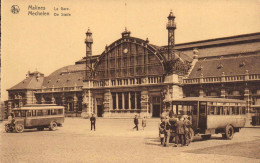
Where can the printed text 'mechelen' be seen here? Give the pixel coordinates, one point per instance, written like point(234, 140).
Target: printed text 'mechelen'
point(34, 10)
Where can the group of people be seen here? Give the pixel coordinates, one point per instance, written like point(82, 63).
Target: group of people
point(179, 127)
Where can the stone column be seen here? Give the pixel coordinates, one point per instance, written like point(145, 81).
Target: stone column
point(135, 101)
point(107, 103)
point(123, 100)
point(247, 98)
point(129, 100)
point(116, 101)
point(75, 102)
point(84, 112)
point(144, 103)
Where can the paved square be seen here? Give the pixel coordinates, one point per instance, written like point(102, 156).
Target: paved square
point(115, 141)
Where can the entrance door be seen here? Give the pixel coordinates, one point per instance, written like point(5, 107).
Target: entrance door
point(202, 117)
point(99, 110)
point(156, 110)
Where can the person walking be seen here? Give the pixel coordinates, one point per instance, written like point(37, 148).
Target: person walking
point(180, 132)
point(93, 122)
point(144, 122)
point(136, 123)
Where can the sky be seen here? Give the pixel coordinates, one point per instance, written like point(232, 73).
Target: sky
point(48, 43)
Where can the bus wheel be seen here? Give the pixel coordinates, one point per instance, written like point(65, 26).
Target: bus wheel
point(53, 126)
point(229, 132)
point(191, 134)
point(205, 137)
point(19, 128)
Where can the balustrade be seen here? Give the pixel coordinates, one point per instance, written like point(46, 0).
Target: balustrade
point(229, 78)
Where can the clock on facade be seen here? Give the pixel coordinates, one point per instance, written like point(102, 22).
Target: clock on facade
point(125, 50)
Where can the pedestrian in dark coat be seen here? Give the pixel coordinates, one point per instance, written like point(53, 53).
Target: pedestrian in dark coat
point(93, 122)
point(136, 123)
point(180, 131)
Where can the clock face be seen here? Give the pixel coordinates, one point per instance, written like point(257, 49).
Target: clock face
point(125, 51)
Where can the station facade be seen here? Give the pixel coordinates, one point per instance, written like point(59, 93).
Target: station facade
point(133, 76)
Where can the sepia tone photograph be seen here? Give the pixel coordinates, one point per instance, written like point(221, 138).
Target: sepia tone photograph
point(130, 81)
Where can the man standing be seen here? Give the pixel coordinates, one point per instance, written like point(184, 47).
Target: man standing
point(136, 123)
point(187, 125)
point(93, 122)
point(180, 131)
point(167, 131)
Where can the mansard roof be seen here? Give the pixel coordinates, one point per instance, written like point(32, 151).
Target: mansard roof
point(68, 76)
point(246, 43)
point(237, 65)
point(31, 82)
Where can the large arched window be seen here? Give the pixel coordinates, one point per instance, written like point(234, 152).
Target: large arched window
point(127, 58)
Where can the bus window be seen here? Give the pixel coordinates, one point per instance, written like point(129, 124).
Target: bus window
point(210, 110)
point(219, 110)
point(44, 112)
point(20, 113)
point(235, 110)
point(60, 111)
point(29, 113)
point(33, 113)
point(243, 110)
point(225, 110)
point(54, 112)
point(39, 113)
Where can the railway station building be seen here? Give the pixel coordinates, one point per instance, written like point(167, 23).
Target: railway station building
point(134, 76)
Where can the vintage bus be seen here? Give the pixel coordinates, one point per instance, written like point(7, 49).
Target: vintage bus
point(212, 115)
point(38, 116)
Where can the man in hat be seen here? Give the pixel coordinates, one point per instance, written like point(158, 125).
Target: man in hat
point(136, 123)
point(180, 127)
point(93, 122)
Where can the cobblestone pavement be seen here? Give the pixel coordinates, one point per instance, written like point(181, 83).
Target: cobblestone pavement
point(115, 141)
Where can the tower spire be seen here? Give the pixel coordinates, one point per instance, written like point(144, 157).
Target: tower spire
point(171, 26)
point(88, 42)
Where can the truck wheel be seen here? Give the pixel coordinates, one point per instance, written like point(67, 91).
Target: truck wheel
point(19, 128)
point(191, 135)
point(205, 137)
point(53, 126)
point(229, 132)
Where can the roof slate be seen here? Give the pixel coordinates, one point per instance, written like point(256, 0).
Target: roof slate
point(226, 50)
point(29, 83)
point(230, 66)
